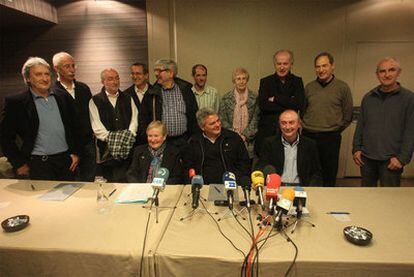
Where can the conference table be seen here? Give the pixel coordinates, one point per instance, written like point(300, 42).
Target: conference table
point(71, 238)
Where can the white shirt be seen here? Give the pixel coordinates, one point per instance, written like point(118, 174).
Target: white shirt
point(99, 129)
point(141, 93)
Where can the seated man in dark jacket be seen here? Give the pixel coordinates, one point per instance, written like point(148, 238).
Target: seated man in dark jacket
point(157, 153)
point(215, 150)
point(295, 157)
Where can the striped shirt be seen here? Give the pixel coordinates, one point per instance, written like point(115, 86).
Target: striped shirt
point(208, 98)
point(174, 111)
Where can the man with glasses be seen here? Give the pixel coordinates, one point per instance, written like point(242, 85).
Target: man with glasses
point(171, 101)
point(384, 138)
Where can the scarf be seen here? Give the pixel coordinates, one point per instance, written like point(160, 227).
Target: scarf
point(240, 114)
point(156, 161)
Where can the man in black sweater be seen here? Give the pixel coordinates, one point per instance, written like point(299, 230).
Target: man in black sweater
point(78, 94)
point(215, 150)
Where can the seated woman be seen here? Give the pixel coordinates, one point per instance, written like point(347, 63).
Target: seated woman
point(157, 153)
point(238, 109)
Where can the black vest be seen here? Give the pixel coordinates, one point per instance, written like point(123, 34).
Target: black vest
point(114, 119)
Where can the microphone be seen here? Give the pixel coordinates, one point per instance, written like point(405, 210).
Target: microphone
point(268, 169)
point(229, 180)
point(247, 187)
point(258, 183)
point(284, 204)
point(159, 181)
point(191, 173)
point(272, 189)
point(197, 183)
point(300, 200)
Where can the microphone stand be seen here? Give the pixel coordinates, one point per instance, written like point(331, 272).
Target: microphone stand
point(197, 210)
point(299, 218)
point(155, 202)
point(248, 202)
point(232, 211)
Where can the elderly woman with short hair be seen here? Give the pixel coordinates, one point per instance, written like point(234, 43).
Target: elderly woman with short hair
point(157, 153)
point(238, 109)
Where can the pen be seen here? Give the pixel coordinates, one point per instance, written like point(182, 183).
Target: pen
point(112, 192)
point(338, 213)
point(219, 191)
point(33, 187)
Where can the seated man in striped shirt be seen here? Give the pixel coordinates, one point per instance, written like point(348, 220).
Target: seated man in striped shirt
point(206, 96)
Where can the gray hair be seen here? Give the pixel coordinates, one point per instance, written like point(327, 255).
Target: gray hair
point(203, 113)
point(168, 64)
point(239, 70)
point(57, 58)
point(32, 61)
point(107, 70)
point(386, 59)
point(287, 51)
point(158, 125)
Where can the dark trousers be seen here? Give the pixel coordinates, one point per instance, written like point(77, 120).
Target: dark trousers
point(52, 167)
point(374, 170)
point(114, 171)
point(87, 162)
point(328, 144)
point(178, 141)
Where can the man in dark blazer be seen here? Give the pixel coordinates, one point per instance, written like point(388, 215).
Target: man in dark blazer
point(295, 157)
point(78, 94)
point(139, 76)
point(140, 86)
point(43, 123)
point(278, 92)
point(171, 101)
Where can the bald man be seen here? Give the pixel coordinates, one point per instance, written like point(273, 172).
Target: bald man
point(295, 157)
point(114, 120)
point(384, 138)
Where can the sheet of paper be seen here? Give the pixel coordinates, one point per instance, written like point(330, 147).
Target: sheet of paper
point(61, 191)
point(135, 193)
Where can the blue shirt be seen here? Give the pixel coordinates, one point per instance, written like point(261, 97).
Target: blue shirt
point(50, 137)
point(290, 169)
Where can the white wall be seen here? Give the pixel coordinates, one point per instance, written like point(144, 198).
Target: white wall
point(224, 34)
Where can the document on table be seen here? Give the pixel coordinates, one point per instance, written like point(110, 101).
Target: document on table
point(135, 193)
point(61, 191)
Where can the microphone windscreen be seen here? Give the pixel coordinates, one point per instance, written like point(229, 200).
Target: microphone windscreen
point(257, 178)
point(268, 169)
point(197, 180)
point(191, 173)
point(229, 180)
point(163, 173)
point(272, 185)
point(245, 183)
point(289, 194)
